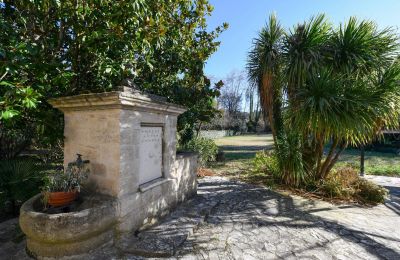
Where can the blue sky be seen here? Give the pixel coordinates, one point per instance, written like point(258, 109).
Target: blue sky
point(246, 17)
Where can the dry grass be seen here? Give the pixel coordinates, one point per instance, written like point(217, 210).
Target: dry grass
point(203, 172)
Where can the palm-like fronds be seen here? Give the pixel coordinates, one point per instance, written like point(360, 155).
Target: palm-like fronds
point(342, 87)
point(387, 93)
point(304, 49)
point(19, 180)
point(335, 107)
point(289, 155)
point(263, 68)
point(359, 47)
point(265, 54)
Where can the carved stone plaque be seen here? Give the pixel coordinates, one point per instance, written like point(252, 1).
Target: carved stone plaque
point(150, 153)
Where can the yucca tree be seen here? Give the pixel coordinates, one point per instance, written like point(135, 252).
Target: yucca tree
point(305, 50)
point(340, 87)
point(264, 71)
point(356, 89)
point(338, 110)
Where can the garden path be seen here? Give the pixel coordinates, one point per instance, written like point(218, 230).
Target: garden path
point(233, 220)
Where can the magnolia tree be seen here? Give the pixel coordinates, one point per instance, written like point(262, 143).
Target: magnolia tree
point(324, 86)
point(56, 48)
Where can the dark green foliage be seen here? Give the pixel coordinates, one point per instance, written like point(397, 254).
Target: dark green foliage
point(20, 179)
point(57, 48)
point(291, 164)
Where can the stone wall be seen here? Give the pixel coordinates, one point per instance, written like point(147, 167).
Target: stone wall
point(214, 134)
point(158, 198)
point(186, 171)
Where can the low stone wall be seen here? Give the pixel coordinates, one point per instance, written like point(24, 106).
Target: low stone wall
point(214, 134)
point(186, 169)
point(157, 198)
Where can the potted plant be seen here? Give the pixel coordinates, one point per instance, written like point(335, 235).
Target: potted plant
point(63, 188)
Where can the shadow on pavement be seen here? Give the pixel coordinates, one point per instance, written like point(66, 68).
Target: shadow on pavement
point(252, 207)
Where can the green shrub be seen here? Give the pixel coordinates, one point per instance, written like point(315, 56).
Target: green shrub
point(290, 157)
point(20, 179)
point(264, 170)
point(206, 148)
point(266, 162)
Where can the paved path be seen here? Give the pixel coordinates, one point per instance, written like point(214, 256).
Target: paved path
point(232, 220)
point(250, 222)
point(393, 185)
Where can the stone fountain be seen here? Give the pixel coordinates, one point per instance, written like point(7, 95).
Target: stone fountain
point(136, 176)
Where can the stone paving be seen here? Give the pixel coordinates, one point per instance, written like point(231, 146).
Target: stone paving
point(393, 185)
point(233, 220)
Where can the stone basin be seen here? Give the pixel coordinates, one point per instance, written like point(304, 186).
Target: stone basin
point(88, 226)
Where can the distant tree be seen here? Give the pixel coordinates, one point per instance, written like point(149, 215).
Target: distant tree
point(231, 94)
point(231, 99)
point(255, 110)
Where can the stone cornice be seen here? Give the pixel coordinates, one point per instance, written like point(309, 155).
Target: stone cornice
point(116, 99)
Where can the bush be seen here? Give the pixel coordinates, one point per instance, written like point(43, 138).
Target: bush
point(264, 170)
point(291, 161)
point(267, 163)
point(340, 183)
point(20, 179)
point(206, 148)
point(345, 183)
point(370, 192)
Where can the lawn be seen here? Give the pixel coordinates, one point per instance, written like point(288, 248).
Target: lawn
point(244, 146)
point(376, 163)
point(239, 150)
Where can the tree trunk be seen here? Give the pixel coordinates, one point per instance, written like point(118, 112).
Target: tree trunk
point(320, 152)
point(328, 159)
point(267, 98)
point(334, 160)
point(251, 98)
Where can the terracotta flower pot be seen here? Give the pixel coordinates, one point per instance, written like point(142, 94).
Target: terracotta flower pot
point(58, 199)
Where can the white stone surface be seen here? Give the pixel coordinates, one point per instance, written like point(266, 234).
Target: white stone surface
point(150, 153)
